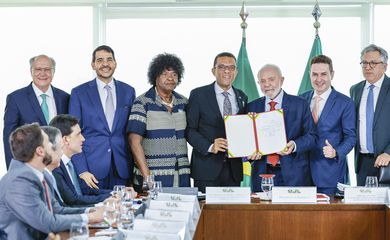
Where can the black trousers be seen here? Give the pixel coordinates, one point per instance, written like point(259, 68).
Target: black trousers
point(366, 168)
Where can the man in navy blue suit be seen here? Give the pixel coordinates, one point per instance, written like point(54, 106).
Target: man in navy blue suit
point(206, 129)
point(290, 166)
point(335, 119)
point(372, 102)
point(67, 181)
point(38, 102)
point(103, 106)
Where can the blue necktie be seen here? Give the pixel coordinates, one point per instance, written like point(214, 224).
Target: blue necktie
point(227, 105)
point(74, 178)
point(45, 108)
point(370, 119)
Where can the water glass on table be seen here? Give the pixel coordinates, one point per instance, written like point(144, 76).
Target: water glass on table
point(79, 231)
point(371, 181)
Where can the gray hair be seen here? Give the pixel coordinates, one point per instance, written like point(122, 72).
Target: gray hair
point(273, 66)
point(54, 134)
point(53, 62)
point(375, 48)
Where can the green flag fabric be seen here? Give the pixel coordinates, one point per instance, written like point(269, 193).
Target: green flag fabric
point(245, 82)
point(316, 50)
point(244, 79)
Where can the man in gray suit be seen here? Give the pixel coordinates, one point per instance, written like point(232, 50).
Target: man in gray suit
point(27, 208)
point(372, 102)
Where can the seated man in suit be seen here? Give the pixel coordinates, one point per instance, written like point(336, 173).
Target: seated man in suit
point(334, 117)
point(27, 209)
point(66, 177)
point(38, 102)
point(290, 166)
point(205, 130)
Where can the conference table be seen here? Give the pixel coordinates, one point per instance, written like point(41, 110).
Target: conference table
point(266, 220)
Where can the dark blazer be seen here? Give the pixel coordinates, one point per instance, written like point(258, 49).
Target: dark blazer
point(23, 107)
point(101, 143)
point(204, 124)
point(68, 191)
point(299, 128)
point(336, 124)
point(381, 126)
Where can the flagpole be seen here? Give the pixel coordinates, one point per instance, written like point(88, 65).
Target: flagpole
point(244, 14)
point(316, 14)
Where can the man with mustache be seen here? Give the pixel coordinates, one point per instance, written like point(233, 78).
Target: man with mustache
point(103, 106)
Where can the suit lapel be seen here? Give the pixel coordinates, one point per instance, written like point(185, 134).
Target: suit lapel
point(96, 103)
point(358, 96)
point(35, 105)
point(57, 101)
point(328, 106)
point(120, 101)
point(383, 93)
point(240, 101)
point(66, 176)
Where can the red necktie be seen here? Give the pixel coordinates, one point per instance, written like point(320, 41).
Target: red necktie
point(273, 158)
point(47, 195)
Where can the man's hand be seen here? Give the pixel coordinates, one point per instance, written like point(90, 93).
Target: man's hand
point(288, 149)
point(96, 216)
point(328, 150)
point(89, 179)
point(255, 156)
point(382, 160)
point(220, 145)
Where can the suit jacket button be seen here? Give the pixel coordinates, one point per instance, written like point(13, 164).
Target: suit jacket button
point(109, 150)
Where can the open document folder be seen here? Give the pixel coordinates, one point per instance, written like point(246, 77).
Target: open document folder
point(263, 133)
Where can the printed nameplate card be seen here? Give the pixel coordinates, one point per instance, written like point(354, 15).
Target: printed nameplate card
point(172, 205)
point(228, 195)
point(365, 195)
point(148, 235)
point(168, 215)
point(294, 195)
point(179, 198)
point(177, 227)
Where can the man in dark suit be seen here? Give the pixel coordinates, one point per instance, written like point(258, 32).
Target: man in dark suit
point(27, 207)
point(372, 102)
point(335, 119)
point(38, 102)
point(205, 126)
point(103, 106)
point(65, 176)
point(290, 166)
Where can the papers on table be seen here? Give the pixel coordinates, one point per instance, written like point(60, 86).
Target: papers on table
point(263, 133)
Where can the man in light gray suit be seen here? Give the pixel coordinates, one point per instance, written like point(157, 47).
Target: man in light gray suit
point(372, 98)
point(28, 210)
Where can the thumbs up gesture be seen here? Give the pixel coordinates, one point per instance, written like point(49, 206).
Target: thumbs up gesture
point(328, 150)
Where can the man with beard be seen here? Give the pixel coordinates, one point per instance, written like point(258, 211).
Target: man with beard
point(206, 108)
point(27, 208)
point(105, 160)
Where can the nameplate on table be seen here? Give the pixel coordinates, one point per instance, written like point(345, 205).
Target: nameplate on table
point(228, 195)
point(365, 195)
point(172, 205)
point(176, 227)
point(147, 235)
point(294, 195)
point(169, 215)
point(179, 198)
point(181, 190)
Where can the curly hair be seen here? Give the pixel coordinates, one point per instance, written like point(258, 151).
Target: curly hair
point(165, 61)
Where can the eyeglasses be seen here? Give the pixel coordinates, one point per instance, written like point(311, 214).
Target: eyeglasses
point(226, 67)
point(372, 64)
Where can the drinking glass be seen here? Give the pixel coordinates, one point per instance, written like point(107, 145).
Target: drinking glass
point(267, 183)
point(111, 209)
point(371, 181)
point(119, 190)
point(126, 220)
point(79, 231)
point(148, 184)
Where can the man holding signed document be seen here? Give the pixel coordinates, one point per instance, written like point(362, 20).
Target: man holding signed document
point(291, 164)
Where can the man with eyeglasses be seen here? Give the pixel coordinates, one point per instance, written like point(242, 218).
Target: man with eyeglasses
point(372, 98)
point(206, 130)
point(38, 102)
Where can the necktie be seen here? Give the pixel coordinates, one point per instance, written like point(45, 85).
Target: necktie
point(56, 188)
point(227, 105)
point(110, 111)
point(47, 195)
point(370, 118)
point(45, 108)
point(316, 107)
point(273, 158)
point(73, 175)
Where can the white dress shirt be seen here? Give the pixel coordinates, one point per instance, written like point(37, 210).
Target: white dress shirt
point(362, 111)
point(51, 103)
point(321, 104)
point(103, 92)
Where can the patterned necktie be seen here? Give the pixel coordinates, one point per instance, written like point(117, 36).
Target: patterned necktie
point(47, 195)
point(227, 105)
point(273, 158)
point(110, 111)
point(315, 109)
point(45, 108)
point(370, 119)
point(73, 175)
